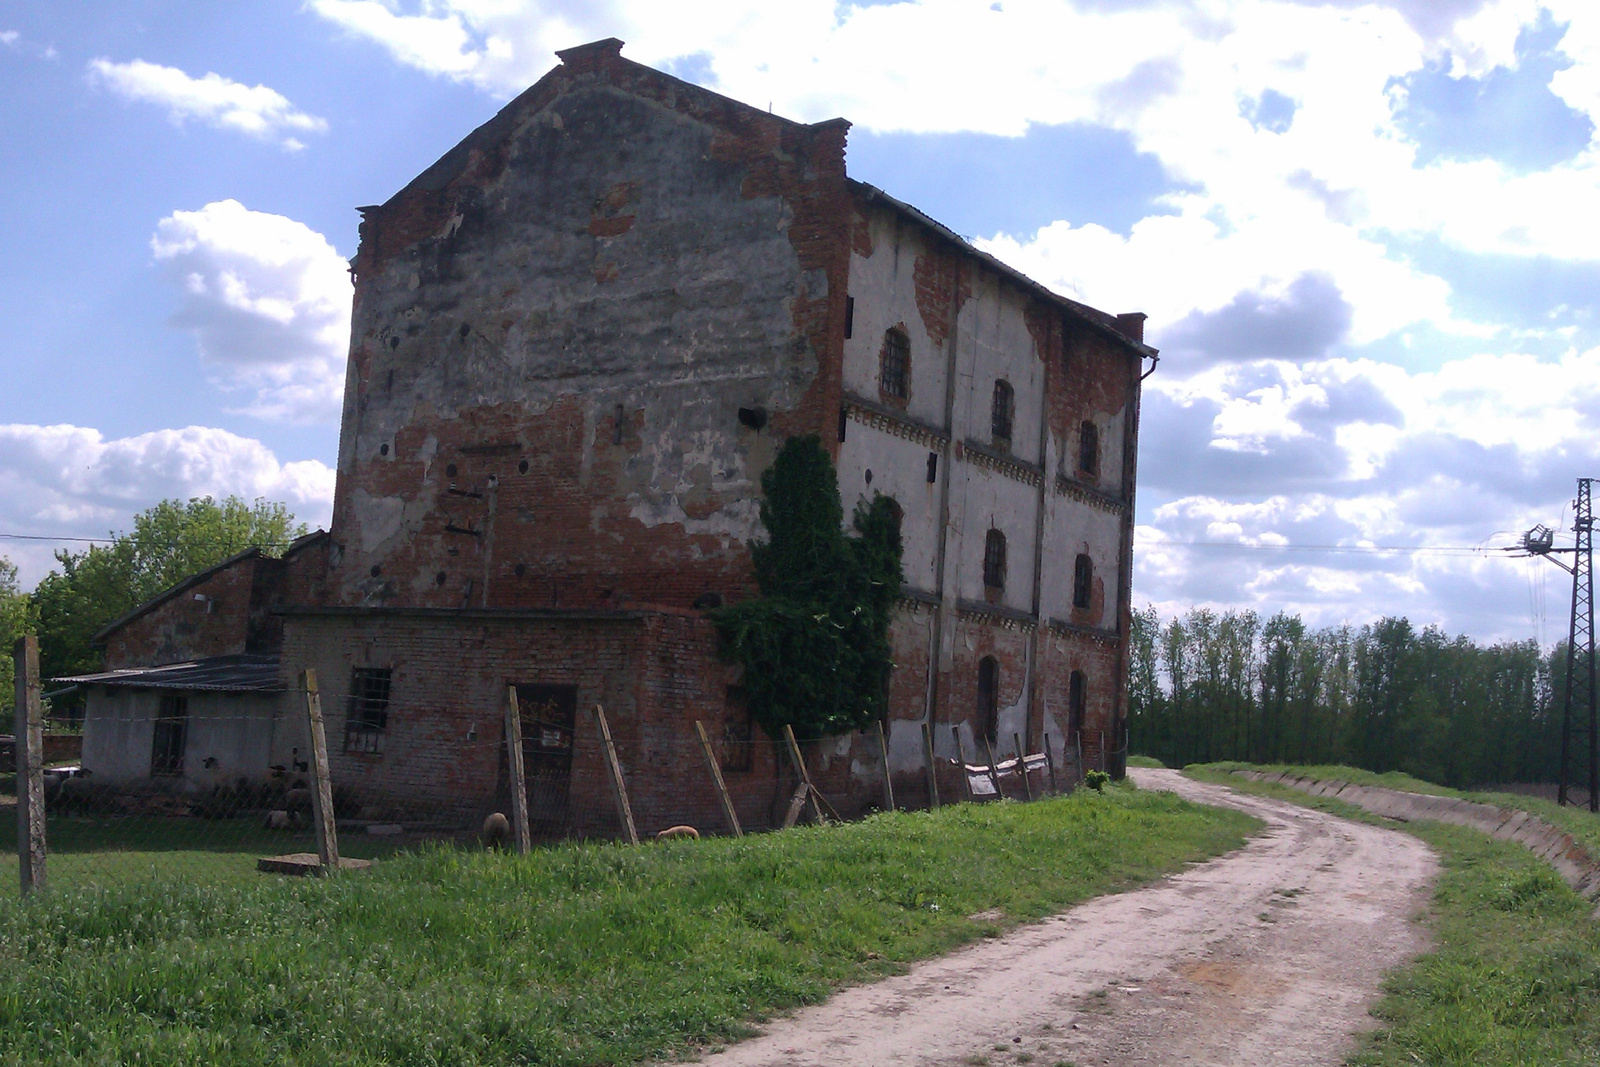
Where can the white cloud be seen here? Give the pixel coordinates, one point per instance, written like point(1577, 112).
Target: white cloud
point(9, 38)
point(71, 481)
point(268, 300)
point(257, 111)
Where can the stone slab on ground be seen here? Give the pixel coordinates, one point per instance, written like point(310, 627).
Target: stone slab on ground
point(303, 863)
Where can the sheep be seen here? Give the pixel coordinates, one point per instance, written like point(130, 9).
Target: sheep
point(278, 820)
point(678, 831)
point(496, 831)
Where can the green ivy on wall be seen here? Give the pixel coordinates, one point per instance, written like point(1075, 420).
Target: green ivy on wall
point(815, 644)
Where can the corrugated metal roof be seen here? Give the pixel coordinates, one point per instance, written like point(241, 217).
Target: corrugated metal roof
point(221, 674)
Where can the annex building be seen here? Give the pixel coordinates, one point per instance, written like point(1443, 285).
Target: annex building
point(579, 338)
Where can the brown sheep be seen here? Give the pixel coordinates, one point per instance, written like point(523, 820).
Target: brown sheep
point(678, 831)
point(496, 831)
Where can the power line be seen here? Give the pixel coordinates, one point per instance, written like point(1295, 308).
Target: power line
point(1415, 550)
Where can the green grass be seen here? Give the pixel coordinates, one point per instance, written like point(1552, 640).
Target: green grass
point(1514, 977)
point(107, 852)
point(1581, 823)
point(579, 954)
point(1146, 761)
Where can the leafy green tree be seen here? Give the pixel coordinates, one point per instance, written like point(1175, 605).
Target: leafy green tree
point(169, 542)
point(815, 644)
point(15, 620)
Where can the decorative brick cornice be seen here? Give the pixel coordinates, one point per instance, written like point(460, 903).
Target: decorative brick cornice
point(896, 423)
point(981, 455)
point(1006, 618)
point(1093, 633)
point(1085, 495)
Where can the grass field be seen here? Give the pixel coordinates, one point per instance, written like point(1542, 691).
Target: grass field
point(106, 852)
point(581, 954)
point(1581, 823)
point(1514, 978)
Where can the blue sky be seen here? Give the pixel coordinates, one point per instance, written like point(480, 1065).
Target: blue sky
point(1367, 235)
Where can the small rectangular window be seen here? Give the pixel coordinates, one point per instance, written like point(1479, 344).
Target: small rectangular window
point(171, 737)
point(933, 467)
point(367, 714)
point(849, 317)
point(894, 367)
point(841, 423)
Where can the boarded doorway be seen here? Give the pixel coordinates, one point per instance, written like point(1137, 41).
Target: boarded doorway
point(549, 713)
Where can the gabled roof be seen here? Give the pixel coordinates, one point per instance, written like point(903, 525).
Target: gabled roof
point(241, 673)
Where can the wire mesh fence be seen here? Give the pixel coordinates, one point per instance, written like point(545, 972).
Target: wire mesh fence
point(168, 790)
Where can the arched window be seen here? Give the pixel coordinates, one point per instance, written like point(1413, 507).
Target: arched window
point(1005, 409)
point(1076, 699)
point(994, 560)
point(1089, 449)
point(989, 697)
point(894, 364)
point(1082, 580)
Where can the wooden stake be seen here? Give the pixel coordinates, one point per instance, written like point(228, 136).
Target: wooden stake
point(805, 775)
point(322, 784)
point(520, 834)
point(619, 790)
point(797, 804)
point(716, 780)
point(994, 777)
point(888, 777)
point(927, 756)
point(1022, 765)
point(961, 762)
point(31, 851)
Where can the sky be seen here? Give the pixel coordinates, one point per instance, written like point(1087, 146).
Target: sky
point(1367, 235)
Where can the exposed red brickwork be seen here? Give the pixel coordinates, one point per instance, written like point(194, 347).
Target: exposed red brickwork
point(182, 627)
point(943, 288)
point(1092, 379)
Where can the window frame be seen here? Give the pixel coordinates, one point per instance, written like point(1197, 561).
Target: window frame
point(1082, 582)
point(988, 698)
point(894, 365)
point(1089, 449)
point(1003, 414)
point(169, 739)
point(366, 717)
point(995, 551)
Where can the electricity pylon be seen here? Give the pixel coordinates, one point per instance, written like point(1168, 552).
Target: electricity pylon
point(1579, 737)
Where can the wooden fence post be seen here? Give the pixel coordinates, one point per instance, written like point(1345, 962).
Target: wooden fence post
point(994, 776)
point(520, 833)
point(927, 756)
point(961, 762)
point(322, 784)
point(805, 775)
point(619, 789)
point(1022, 765)
point(888, 777)
point(716, 780)
point(29, 748)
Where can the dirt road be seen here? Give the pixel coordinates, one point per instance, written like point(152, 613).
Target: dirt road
point(1269, 955)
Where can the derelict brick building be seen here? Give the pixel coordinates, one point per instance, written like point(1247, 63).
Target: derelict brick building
point(578, 340)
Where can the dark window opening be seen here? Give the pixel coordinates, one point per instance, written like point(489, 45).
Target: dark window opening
point(366, 717)
point(841, 423)
point(849, 317)
point(1089, 449)
point(1003, 414)
point(1075, 703)
point(738, 732)
point(616, 428)
point(755, 418)
point(894, 364)
point(994, 560)
point(933, 467)
point(171, 737)
point(989, 697)
point(1082, 581)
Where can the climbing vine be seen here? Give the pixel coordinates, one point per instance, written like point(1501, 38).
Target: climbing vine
point(815, 644)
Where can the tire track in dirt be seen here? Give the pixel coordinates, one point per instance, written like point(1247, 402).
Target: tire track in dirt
point(1271, 954)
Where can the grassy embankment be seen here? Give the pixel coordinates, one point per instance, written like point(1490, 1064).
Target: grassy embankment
point(1514, 977)
point(579, 954)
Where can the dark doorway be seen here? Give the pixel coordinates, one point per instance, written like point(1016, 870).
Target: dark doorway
point(549, 713)
point(989, 697)
point(171, 736)
point(1075, 702)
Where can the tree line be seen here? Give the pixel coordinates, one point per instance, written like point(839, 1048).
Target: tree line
point(90, 587)
point(1386, 696)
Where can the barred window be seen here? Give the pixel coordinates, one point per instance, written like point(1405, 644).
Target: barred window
point(1082, 581)
point(1005, 409)
point(738, 731)
point(367, 714)
point(1089, 449)
point(894, 364)
point(994, 560)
